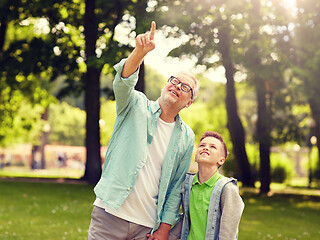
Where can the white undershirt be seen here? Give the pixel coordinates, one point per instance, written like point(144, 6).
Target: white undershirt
point(140, 206)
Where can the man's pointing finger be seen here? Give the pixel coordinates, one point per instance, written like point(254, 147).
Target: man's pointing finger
point(152, 30)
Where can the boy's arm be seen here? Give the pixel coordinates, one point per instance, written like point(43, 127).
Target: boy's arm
point(231, 210)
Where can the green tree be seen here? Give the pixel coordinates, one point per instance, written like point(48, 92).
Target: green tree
point(263, 57)
point(75, 39)
point(154, 84)
point(306, 58)
point(212, 28)
point(32, 55)
point(67, 125)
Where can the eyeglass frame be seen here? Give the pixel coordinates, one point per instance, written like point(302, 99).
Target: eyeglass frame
point(183, 85)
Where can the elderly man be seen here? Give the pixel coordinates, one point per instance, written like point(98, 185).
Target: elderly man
point(148, 155)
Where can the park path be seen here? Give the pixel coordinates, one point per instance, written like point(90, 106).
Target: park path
point(47, 180)
point(284, 191)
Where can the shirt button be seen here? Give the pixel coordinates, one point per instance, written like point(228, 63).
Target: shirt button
point(128, 189)
point(135, 173)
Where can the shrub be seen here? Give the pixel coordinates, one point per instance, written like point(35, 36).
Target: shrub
point(279, 174)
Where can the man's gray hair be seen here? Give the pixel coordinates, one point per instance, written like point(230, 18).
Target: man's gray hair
point(197, 86)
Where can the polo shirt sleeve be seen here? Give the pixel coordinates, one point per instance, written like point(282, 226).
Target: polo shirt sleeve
point(123, 87)
point(231, 210)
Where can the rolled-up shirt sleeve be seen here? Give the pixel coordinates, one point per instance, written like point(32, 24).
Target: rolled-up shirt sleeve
point(123, 87)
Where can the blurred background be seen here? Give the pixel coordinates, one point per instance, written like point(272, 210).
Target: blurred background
point(257, 61)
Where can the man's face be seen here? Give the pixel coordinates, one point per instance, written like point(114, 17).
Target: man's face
point(173, 94)
point(210, 152)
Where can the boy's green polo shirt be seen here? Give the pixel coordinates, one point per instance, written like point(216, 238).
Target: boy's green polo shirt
point(199, 204)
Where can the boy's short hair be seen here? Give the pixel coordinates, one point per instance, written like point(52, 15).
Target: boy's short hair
point(217, 136)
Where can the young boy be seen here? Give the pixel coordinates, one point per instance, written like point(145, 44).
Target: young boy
point(211, 202)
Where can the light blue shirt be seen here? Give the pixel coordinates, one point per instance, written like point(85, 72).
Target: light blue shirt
point(134, 128)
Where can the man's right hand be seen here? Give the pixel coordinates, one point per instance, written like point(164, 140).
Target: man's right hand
point(145, 42)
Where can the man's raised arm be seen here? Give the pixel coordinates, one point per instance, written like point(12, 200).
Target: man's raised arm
point(144, 44)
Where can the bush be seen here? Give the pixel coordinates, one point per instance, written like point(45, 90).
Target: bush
point(317, 174)
point(279, 174)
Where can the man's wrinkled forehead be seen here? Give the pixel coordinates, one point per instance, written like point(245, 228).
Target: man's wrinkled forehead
point(185, 78)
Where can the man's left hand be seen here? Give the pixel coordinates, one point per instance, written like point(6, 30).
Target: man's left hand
point(161, 234)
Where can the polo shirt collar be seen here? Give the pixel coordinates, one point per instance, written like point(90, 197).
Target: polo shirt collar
point(211, 182)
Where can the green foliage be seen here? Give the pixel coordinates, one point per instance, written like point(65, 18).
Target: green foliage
point(283, 160)
point(279, 174)
point(306, 55)
point(154, 82)
point(25, 126)
point(202, 118)
point(28, 63)
point(67, 125)
point(108, 118)
point(44, 43)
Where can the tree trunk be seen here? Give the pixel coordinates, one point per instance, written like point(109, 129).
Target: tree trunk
point(141, 23)
point(234, 123)
point(44, 139)
point(3, 30)
point(237, 135)
point(141, 83)
point(264, 138)
point(317, 134)
point(264, 116)
point(92, 97)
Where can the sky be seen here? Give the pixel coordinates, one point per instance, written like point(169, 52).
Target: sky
point(167, 66)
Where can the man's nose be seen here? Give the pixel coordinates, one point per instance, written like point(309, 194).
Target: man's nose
point(178, 85)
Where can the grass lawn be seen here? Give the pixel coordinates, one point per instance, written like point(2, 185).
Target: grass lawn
point(52, 211)
point(44, 211)
point(281, 216)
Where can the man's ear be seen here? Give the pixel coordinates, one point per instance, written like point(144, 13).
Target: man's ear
point(188, 104)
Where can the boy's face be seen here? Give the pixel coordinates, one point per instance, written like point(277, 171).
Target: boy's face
point(210, 152)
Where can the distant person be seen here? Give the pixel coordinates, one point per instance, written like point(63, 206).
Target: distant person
point(148, 155)
point(2, 163)
point(212, 205)
point(62, 158)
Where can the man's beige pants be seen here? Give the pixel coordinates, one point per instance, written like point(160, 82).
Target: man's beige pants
point(105, 226)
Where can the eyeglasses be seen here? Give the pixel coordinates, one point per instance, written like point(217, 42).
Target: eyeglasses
point(184, 87)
